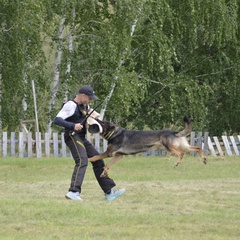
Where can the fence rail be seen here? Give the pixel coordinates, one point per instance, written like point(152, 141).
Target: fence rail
point(46, 145)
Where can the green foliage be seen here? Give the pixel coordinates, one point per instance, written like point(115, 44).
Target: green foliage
point(20, 58)
point(164, 58)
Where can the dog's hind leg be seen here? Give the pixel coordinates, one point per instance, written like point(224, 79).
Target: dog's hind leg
point(199, 151)
point(179, 153)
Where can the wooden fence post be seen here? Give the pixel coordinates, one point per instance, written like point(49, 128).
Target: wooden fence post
point(13, 142)
point(234, 145)
point(38, 144)
point(105, 143)
point(55, 144)
point(227, 146)
point(30, 143)
point(97, 142)
point(21, 145)
point(5, 144)
point(211, 148)
point(192, 141)
point(199, 140)
point(218, 146)
point(205, 143)
point(47, 144)
point(63, 146)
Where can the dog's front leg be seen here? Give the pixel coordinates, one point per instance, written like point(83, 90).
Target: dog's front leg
point(116, 157)
point(106, 154)
point(99, 157)
point(104, 173)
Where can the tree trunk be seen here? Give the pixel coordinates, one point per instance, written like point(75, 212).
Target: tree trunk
point(56, 81)
point(70, 49)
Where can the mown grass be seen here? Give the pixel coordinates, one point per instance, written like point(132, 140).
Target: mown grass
point(192, 201)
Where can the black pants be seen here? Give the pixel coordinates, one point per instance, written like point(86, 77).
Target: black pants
point(81, 150)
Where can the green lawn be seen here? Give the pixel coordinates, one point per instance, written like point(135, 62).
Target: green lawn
point(192, 201)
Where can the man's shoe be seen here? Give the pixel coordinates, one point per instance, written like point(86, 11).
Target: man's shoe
point(73, 196)
point(114, 194)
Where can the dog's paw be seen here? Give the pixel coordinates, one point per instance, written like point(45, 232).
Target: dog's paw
point(177, 164)
point(205, 161)
point(104, 173)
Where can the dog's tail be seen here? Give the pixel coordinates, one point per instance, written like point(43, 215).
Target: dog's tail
point(187, 129)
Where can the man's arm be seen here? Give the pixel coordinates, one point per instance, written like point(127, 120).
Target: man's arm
point(63, 123)
point(67, 110)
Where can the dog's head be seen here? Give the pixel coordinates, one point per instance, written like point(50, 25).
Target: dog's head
point(102, 127)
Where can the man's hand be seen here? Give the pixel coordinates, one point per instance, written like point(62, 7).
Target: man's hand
point(78, 127)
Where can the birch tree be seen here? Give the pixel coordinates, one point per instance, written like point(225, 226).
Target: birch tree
point(185, 54)
point(20, 46)
point(69, 60)
point(56, 78)
point(152, 61)
point(107, 57)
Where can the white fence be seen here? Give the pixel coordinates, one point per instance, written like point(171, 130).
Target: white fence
point(46, 145)
point(41, 145)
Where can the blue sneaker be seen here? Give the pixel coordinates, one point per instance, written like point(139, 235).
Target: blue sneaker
point(114, 194)
point(73, 196)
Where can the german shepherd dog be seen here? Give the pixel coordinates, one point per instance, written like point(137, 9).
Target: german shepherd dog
point(125, 142)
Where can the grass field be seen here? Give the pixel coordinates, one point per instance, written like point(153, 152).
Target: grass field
point(192, 201)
